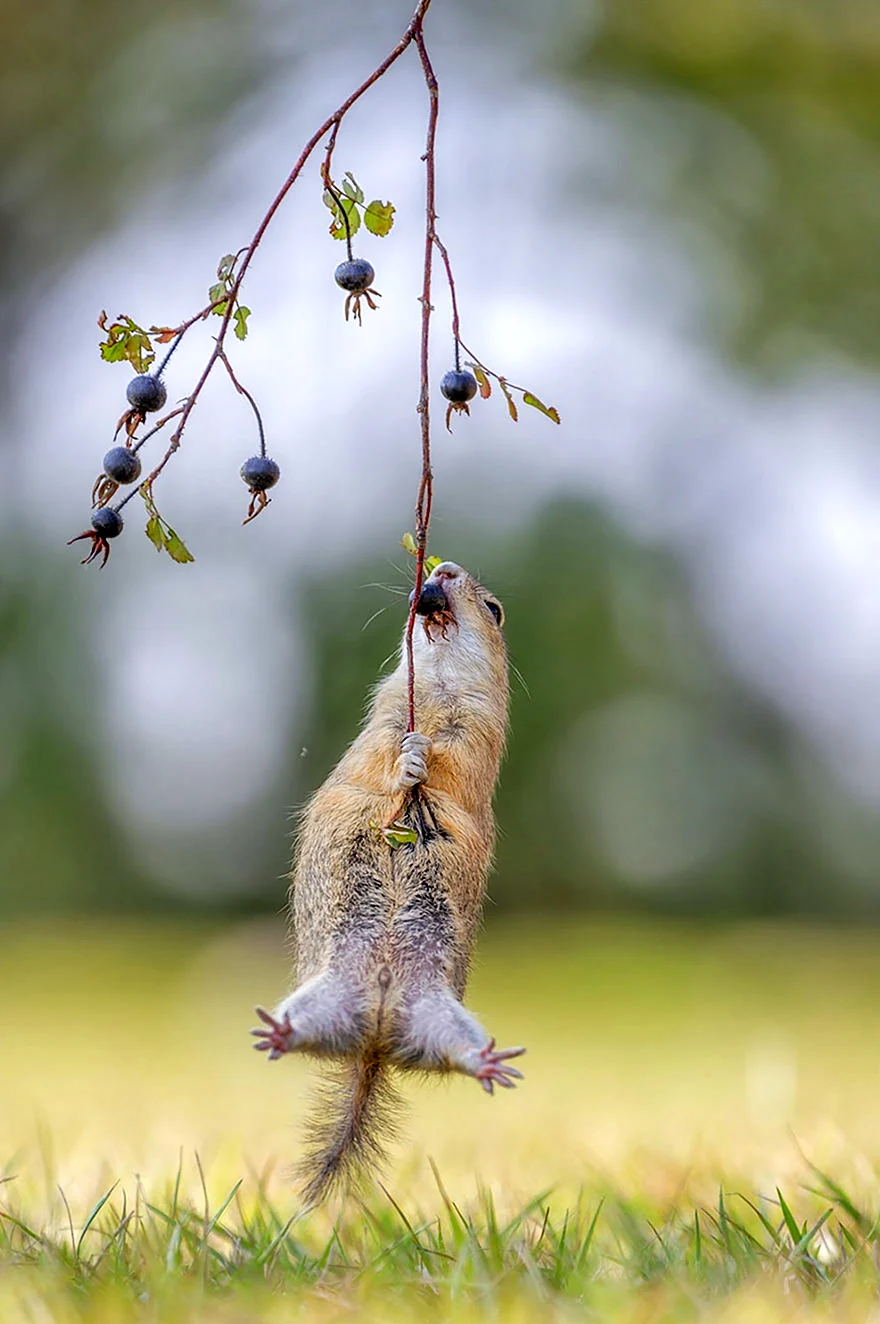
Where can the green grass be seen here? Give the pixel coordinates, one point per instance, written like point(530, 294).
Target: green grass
point(164, 1257)
point(694, 1140)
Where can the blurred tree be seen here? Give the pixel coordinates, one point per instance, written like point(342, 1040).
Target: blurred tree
point(98, 102)
point(756, 123)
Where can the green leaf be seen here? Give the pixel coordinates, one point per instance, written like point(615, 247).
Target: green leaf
point(379, 217)
point(398, 834)
point(217, 291)
point(549, 410)
point(154, 532)
point(240, 319)
point(176, 548)
point(432, 562)
point(337, 227)
point(351, 188)
point(126, 340)
point(408, 543)
point(511, 407)
point(224, 270)
point(112, 351)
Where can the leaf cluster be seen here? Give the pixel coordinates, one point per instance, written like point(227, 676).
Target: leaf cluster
point(482, 374)
point(347, 204)
point(126, 341)
point(221, 292)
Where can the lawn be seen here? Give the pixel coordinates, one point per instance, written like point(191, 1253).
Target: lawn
point(695, 1137)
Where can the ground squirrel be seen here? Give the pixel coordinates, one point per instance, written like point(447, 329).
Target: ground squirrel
point(383, 936)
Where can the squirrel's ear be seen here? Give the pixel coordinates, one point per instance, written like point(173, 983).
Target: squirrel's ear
point(496, 609)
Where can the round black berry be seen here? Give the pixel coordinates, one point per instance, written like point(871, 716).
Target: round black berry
point(146, 393)
point(122, 465)
point(260, 473)
point(432, 598)
point(107, 522)
point(356, 275)
point(459, 386)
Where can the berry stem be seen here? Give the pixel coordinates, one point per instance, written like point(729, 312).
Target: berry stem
point(334, 193)
point(242, 390)
point(425, 491)
point(441, 248)
point(173, 346)
point(152, 432)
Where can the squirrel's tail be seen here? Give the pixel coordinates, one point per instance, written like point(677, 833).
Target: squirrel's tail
point(352, 1112)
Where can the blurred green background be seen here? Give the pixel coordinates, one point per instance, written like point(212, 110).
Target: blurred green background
point(669, 750)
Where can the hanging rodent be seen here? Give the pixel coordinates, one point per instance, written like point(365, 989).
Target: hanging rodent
point(383, 936)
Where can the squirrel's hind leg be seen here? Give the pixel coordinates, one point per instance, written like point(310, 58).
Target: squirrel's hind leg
point(325, 1015)
point(436, 1033)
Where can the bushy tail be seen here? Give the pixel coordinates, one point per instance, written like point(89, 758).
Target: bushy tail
point(354, 1115)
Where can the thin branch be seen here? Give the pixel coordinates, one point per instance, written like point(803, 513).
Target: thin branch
point(425, 492)
point(242, 390)
point(411, 34)
point(450, 279)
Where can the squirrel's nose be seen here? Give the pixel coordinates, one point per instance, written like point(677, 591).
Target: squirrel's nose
point(445, 570)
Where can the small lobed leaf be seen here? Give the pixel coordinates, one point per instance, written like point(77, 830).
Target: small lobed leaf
point(163, 333)
point(126, 340)
point(379, 217)
point(337, 226)
point(351, 188)
point(240, 321)
point(549, 410)
point(432, 562)
point(154, 532)
point(113, 351)
point(176, 548)
point(408, 543)
point(398, 834)
point(224, 268)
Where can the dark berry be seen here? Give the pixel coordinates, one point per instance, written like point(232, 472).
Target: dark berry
point(107, 522)
point(356, 275)
point(260, 473)
point(122, 465)
point(146, 393)
point(432, 598)
point(459, 386)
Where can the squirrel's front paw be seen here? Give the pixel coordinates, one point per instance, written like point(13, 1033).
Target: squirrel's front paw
point(412, 766)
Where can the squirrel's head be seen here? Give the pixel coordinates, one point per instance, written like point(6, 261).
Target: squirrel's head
point(462, 624)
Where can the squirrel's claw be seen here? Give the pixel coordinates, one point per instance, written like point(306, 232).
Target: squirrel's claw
point(413, 763)
point(276, 1038)
point(494, 1069)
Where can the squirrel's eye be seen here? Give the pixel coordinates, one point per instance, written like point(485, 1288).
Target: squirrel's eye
point(495, 608)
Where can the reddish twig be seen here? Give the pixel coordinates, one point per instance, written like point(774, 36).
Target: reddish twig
point(450, 279)
point(425, 493)
point(243, 390)
point(331, 124)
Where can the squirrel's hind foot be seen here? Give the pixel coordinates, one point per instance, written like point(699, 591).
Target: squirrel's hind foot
point(276, 1038)
point(493, 1069)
